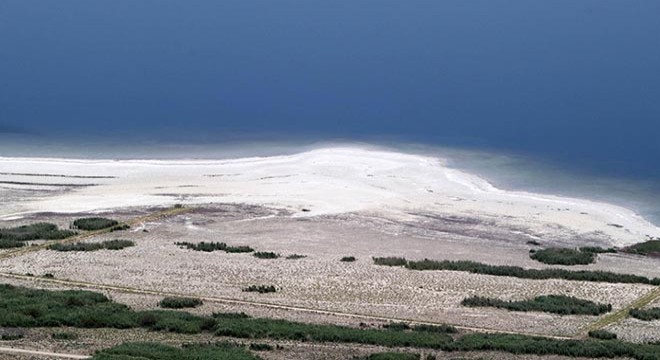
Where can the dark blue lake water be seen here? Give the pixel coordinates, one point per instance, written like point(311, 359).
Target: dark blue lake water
point(568, 90)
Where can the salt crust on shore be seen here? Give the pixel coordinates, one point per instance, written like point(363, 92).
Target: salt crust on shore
point(322, 181)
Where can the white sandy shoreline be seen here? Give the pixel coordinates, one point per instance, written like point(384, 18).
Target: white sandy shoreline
point(326, 181)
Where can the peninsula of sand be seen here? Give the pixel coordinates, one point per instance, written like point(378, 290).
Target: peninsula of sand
point(326, 181)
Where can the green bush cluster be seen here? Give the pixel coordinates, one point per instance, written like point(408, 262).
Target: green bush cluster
point(402, 326)
point(393, 356)
point(179, 302)
point(563, 256)
point(94, 223)
point(646, 314)
point(214, 246)
point(261, 347)
point(14, 236)
point(116, 244)
point(155, 351)
point(390, 261)
point(295, 257)
point(64, 336)
point(348, 259)
point(120, 227)
point(519, 272)
point(266, 255)
point(556, 304)
point(647, 248)
point(261, 289)
point(602, 335)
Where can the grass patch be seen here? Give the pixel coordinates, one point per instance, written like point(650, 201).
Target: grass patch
point(537, 274)
point(266, 255)
point(179, 302)
point(39, 231)
point(108, 245)
point(647, 248)
point(261, 347)
point(602, 335)
point(214, 246)
point(556, 304)
point(646, 314)
point(348, 259)
point(261, 289)
point(94, 223)
point(155, 351)
point(64, 336)
point(295, 257)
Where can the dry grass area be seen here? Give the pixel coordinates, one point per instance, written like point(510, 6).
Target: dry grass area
point(321, 281)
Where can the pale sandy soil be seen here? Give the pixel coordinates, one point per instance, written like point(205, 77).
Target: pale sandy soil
point(321, 281)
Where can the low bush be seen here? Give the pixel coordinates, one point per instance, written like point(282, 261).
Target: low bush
point(602, 335)
point(261, 347)
point(519, 272)
point(108, 245)
point(261, 289)
point(94, 223)
point(9, 244)
point(38, 231)
point(10, 337)
point(348, 259)
point(266, 255)
point(393, 356)
point(445, 329)
point(563, 256)
point(64, 336)
point(295, 257)
point(120, 227)
point(646, 314)
point(647, 248)
point(214, 246)
point(390, 261)
point(556, 304)
point(155, 351)
point(179, 302)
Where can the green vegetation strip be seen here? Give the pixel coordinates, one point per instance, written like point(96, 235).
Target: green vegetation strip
point(94, 223)
point(648, 248)
point(179, 302)
point(556, 304)
point(214, 246)
point(80, 246)
point(16, 236)
point(23, 307)
point(516, 271)
point(155, 351)
point(646, 314)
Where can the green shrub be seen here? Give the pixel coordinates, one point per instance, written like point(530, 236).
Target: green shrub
point(556, 304)
point(214, 246)
point(44, 231)
point(109, 245)
point(563, 256)
point(262, 289)
point(602, 335)
point(64, 336)
point(295, 257)
point(540, 274)
point(647, 248)
point(11, 337)
point(393, 356)
point(266, 255)
point(179, 302)
point(94, 223)
point(154, 351)
point(9, 244)
point(445, 329)
point(120, 227)
point(261, 347)
point(646, 314)
point(348, 259)
point(390, 261)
